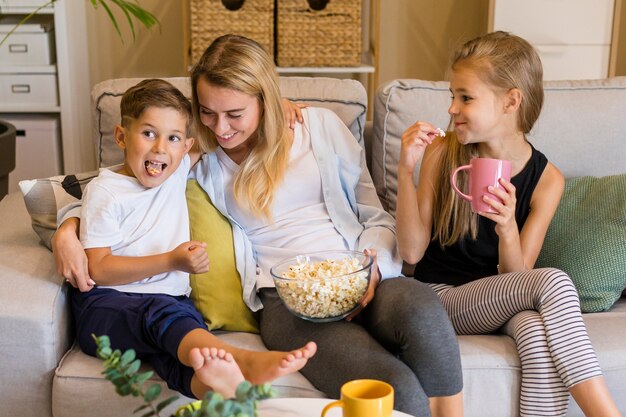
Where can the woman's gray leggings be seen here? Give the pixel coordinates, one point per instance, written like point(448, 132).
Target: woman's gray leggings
point(403, 337)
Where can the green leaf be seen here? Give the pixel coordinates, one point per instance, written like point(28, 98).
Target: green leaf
point(127, 357)
point(143, 377)
point(133, 368)
point(104, 352)
point(112, 18)
point(122, 5)
point(142, 407)
point(165, 403)
point(241, 394)
point(123, 390)
point(152, 392)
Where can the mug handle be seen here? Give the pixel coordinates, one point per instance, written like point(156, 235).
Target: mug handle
point(453, 182)
point(337, 403)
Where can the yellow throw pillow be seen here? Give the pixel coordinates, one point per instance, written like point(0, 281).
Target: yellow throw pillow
point(217, 294)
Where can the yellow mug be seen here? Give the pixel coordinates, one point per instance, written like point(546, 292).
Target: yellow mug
point(364, 398)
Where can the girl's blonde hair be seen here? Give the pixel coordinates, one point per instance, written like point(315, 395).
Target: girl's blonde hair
point(241, 64)
point(502, 61)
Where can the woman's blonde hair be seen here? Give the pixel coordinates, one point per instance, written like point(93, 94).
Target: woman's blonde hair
point(241, 64)
point(502, 61)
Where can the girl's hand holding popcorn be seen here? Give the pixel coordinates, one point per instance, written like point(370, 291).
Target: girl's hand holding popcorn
point(414, 142)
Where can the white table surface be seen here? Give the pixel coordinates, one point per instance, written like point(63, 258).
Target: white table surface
point(302, 407)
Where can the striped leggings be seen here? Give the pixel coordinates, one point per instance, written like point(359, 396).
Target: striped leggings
point(540, 310)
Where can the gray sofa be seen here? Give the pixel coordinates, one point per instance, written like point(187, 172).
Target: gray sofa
point(44, 374)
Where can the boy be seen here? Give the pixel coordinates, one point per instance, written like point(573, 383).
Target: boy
point(135, 230)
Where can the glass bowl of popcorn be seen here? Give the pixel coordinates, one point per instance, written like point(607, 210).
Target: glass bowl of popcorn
point(323, 286)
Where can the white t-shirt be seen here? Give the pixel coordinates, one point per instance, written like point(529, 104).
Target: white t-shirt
point(301, 222)
point(120, 213)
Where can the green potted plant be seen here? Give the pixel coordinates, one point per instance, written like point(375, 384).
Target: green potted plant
point(130, 9)
point(122, 369)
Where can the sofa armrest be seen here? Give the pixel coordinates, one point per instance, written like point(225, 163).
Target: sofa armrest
point(34, 316)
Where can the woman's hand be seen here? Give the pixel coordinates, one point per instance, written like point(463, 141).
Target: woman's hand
point(293, 112)
point(414, 142)
point(371, 289)
point(505, 216)
point(70, 257)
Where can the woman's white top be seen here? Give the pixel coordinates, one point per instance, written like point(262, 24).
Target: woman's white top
point(347, 191)
point(301, 222)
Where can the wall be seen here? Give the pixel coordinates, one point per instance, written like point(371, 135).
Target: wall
point(620, 68)
point(416, 38)
point(156, 52)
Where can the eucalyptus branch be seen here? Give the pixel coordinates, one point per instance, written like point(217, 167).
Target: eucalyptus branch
point(122, 370)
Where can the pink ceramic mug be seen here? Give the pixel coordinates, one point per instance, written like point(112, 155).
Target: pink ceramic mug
point(483, 172)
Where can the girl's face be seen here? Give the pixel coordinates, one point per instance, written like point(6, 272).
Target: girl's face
point(478, 112)
point(231, 115)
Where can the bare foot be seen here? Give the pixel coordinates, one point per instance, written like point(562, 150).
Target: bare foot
point(260, 367)
point(216, 369)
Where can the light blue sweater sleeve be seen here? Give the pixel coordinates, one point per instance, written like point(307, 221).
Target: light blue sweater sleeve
point(349, 191)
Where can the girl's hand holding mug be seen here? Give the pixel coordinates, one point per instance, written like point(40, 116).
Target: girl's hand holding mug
point(503, 206)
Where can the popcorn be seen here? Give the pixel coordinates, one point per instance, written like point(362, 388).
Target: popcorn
point(324, 289)
point(440, 132)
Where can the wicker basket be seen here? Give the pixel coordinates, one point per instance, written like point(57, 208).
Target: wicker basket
point(211, 19)
point(330, 37)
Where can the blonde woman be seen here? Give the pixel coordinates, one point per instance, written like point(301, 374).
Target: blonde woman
point(290, 191)
point(481, 264)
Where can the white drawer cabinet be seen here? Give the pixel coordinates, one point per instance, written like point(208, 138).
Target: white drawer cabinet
point(28, 49)
point(573, 37)
point(43, 72)
point(37, 148)
point(24, 90)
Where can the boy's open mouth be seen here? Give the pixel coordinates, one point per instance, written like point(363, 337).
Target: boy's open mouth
point(154, 168)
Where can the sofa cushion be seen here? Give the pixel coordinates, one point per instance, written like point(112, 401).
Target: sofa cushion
point(565, 130)
point(80, 376)
point(44, 197)
point(217, 294)
point(347, 98)
point(587, 239)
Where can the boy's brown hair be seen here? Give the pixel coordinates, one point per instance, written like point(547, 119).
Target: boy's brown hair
point(153, 92)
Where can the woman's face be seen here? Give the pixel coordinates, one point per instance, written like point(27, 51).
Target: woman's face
point(231, 115)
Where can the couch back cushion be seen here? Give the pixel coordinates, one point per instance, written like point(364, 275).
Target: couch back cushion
point(582, 127)
point(347, 98)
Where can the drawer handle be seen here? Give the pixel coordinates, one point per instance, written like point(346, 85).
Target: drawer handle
point(20, 88)
point(18, 48)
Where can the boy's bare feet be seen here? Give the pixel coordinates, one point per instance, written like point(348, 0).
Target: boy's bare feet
point(260, 367)
point(216, 369)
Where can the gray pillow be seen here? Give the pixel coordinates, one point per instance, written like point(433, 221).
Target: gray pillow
point(44, 197)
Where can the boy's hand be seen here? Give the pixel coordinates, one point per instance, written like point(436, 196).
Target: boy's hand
point(191, 257)
point(293, 112)
point(70, 258)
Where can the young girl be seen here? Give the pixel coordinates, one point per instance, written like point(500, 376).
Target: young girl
point(292, 191)
point(481, 264)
